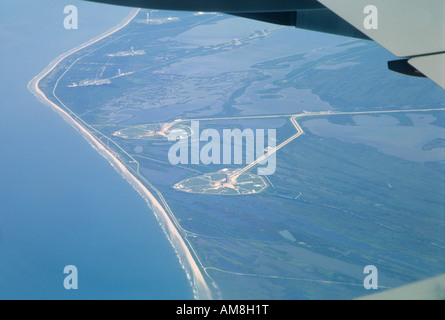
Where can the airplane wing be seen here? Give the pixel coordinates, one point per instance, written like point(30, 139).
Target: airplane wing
point(411, 29)
point(407, 28)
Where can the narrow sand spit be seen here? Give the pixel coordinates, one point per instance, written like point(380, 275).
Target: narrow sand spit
point(200, 288)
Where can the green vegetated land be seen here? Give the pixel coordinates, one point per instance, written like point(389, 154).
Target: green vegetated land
point(330, 209)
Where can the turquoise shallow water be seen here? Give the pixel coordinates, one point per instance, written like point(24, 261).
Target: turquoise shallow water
point(61, 203)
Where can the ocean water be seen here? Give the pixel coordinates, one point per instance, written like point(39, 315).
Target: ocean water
point(61, 203)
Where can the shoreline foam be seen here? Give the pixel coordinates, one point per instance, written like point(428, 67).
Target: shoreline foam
point(199, 285)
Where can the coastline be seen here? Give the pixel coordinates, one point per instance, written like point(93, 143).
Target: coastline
point(199, 285)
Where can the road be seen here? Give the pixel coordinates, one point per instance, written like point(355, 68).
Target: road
point(293, 119)
point(270, 152)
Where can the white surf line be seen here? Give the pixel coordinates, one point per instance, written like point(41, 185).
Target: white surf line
point(200, 287)
point(185, 232)
point(55, 62)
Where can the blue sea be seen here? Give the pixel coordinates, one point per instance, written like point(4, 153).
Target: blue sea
point(61, 203)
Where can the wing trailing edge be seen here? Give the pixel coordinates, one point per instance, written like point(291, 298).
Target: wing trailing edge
point(411, 29)
point(432, 66)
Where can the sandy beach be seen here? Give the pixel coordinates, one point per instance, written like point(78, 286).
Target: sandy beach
point(200, 287)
